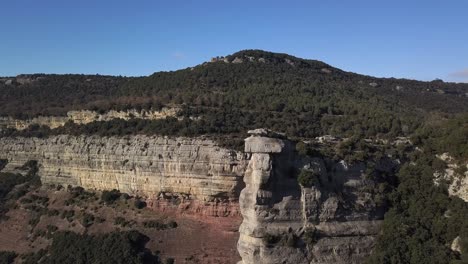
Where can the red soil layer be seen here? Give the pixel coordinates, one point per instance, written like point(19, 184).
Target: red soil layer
point(208, 231)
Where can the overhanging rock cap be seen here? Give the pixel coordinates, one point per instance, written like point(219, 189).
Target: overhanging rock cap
point(264, 141)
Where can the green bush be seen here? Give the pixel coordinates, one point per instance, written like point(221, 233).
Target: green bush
point(53, 212)
point(139, 204)
point(110, 197)
point(34, 221)
point(123, 222)
point(307, 178)
point(271, 239)
point(172, 224)
point(87, 220)
point(7, 257)
point(51, 228)
point(3, 163)
point(68, 214)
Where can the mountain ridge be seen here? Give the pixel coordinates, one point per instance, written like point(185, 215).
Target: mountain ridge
point(242, 91)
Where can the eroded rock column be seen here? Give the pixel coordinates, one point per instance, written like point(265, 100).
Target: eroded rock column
point(258, 204)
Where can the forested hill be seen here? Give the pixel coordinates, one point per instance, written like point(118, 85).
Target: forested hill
point(247, 89)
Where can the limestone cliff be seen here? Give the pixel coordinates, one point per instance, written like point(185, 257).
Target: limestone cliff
point(194, 173)
point(334, 219)
point(288, 223)
point(87, 116)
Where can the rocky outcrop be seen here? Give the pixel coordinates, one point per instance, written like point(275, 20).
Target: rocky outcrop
point(86, 116)
point(189, 174)
point(454, 175)
point(332, 221)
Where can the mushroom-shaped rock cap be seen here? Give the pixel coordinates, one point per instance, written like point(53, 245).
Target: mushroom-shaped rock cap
point(264, 141)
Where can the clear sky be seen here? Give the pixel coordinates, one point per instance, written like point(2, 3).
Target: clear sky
point(392, 38)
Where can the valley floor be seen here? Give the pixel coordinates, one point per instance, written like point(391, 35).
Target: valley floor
point(31, 221)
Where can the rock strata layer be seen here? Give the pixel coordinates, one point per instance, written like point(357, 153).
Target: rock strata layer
point(192, 174)
point(86, 116)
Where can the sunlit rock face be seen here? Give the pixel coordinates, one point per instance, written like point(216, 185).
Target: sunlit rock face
point(180, 169)
point(82, 117)
point(278, 212)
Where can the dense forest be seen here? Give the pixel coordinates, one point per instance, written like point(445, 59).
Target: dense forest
point(422, 219)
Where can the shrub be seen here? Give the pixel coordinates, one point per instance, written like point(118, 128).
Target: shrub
point(119, 221)
point(68, 214)
point(87, 220)
point(301, 148)
point(123, 222)
point(154, 224)
point(25, 201)
point(110, 197)
point(3, 163)
point(51, 228)
point(34, 221)
point(53, 212)
point(271, 239)
point(158, 225)
point(172, 224)
point(139, 204)
point(308, 178)
point(7, 257)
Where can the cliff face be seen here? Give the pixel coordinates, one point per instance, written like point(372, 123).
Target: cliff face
point(85, 117)
point(182, 170)
point(333, 221)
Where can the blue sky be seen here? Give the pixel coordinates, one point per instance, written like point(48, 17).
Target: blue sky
point(411, 39)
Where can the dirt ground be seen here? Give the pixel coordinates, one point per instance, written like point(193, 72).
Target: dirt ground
point(196, 239)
